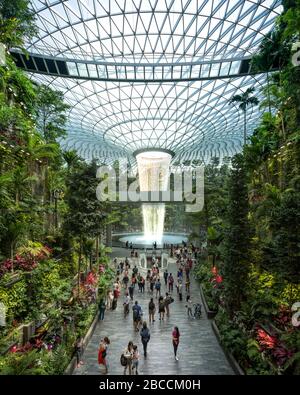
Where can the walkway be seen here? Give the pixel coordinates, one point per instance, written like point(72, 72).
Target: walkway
point(199, 351)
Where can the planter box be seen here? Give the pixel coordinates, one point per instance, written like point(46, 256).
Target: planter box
point(231, 359)
point(210, 313)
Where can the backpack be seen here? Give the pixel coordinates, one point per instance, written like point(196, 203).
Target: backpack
point(157, 286)
point(136, 314)
point(145, 334)
point(169, 300)
point(123, 360)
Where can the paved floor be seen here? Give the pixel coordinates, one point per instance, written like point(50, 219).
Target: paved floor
point(198, 352)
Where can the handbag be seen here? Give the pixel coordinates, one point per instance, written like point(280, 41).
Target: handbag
point(123, 360)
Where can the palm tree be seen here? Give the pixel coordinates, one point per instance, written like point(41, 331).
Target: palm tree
point(245, 100)
point(71, 158)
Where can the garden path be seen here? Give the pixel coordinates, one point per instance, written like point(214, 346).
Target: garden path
point(199, 351)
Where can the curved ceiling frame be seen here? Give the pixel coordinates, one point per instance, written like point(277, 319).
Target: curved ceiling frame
point(83, 20)
point(109, 119)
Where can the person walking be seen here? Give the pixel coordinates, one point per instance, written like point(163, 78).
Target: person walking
point(125, 279)
point(168, 300)
point(166, 274)
point(187, 284)
point(161, 308)
point(110, 298)
point(142, 285)
point(102, 352)
point(126, 304)
point(152, 309)
point(137, 315)
point(133, 279)
point(135, 270)
point(128, 354)
point(145, 337)
point(189, 307)
point(148, 279)
point(135, 359)
point(79, 350)
point(175, 340)
point(152, 283)
point(139, 281)
point(102, 308)
point(131, 291)
point(170, 282)
point(180, 290)
point(157, 287)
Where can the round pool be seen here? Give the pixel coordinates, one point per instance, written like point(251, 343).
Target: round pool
point(138, 240)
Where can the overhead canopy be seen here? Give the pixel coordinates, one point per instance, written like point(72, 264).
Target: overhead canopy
point(152, 74)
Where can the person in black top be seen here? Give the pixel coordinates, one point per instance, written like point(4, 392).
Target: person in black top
point(166, 274)
point(145, 337)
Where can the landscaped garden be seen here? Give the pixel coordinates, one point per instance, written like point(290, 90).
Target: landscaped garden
point(54, 266)
point(250, 263)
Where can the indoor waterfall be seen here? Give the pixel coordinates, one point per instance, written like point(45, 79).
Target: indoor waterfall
point(153, 169)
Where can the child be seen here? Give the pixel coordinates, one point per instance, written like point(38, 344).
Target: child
point(135, 359)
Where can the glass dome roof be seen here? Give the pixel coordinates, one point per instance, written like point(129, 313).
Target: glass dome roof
point(173, 40)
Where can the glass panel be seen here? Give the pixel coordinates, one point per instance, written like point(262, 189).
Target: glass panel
point(235, 67)
point(82, 70)
point(158, 72)
point(195, 71)
point(225, 66)
point(101, 71)
point(148, 73)
point(121, 72)
point(72, 68)
point(176, 72)
point(111, 71)
point(214, 70)
point(92, 69)
point(205, 70)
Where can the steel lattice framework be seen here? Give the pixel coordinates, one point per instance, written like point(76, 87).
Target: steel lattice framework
point(152, 73)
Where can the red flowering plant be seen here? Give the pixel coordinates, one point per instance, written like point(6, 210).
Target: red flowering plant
point(5, 267)
point(26, 259)
point(273, 347)
point(216, 278)
point(284, 317)
point(90, 286)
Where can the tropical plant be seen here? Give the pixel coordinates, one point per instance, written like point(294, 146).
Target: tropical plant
point(245, 101)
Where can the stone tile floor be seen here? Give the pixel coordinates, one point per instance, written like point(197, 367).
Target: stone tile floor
point(199, 352)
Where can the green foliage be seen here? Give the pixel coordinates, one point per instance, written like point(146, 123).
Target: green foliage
point(283, 250)
point(57, 361)
point(17, 22)
point(13, 297)
point(50, 114)
point(17, 364)
point(237, 237)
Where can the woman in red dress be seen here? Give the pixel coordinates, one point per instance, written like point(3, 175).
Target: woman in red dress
point(102, 352)
point(175, 340)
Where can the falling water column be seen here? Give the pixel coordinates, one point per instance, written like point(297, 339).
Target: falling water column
point(153, 169)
